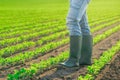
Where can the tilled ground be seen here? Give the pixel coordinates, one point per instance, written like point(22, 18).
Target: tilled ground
point(60, 73)
point(112, 70)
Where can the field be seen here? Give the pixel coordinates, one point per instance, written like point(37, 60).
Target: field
point(34, 39)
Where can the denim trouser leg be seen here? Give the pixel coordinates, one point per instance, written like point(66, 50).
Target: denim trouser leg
point(75, 14)
point(84, 25)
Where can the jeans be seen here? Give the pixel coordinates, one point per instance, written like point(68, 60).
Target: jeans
point(76, 20)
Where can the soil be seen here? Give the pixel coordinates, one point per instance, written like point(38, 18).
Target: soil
point(111, 71)
point(61, 73)
point(105, 28)
point(58, 72)
point(103, 22)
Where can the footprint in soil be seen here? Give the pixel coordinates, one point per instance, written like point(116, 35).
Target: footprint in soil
point(61, 73)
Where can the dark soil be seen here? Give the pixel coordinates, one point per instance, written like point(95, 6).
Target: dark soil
point(104, 21)
point(106, 28)
point(112, 70)
point(60, 73)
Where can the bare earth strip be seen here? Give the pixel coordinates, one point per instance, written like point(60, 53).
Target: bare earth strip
point(106, 28)
point(111, 71)
point(58, 71)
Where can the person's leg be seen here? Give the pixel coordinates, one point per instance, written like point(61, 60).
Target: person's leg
point(85, 29)
point(87, 42)
point(76, 11)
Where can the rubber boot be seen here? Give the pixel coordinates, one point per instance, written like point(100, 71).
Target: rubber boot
point(86, 51)
point(75, 52)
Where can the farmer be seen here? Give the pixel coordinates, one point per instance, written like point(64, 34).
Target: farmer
point(80, 37)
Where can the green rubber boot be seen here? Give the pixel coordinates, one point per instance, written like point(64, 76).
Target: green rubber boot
point(86, 51)
point(75, 52)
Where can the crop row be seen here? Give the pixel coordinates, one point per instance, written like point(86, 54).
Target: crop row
point(93, 70)
point(17, 48)
point(22, 19)
point(27, 27)
point(26, 45)
point(32, 29)
point(15, 20)
point(22, 38)
point(99, 37)
point(7, 42)
point(36, 67)
point(105, 20)
point(104, 25)
point(14, 31)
